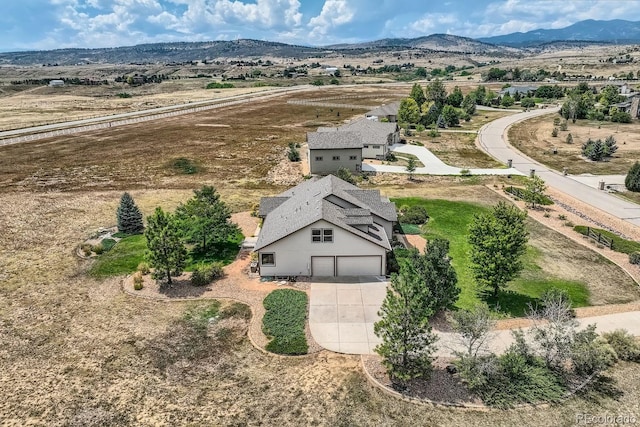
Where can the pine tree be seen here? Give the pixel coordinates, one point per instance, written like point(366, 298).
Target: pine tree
point(407, 341)
point(632, 181)
point(129, 216)
point(166, 252)
point(418, 94)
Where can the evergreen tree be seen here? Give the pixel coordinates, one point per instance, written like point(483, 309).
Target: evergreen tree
point(418, 94)
point(632, 181)
point(129, 216)
point(407, 341)
point(205, 220)
point(437, 275)
point(498, 240)
point(166, 252)
point(411, 167)
point(469, 104)
point(436, 92)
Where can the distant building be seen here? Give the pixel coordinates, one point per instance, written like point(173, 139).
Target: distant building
point(331, 71)
point(56, 83)
point(522, 90)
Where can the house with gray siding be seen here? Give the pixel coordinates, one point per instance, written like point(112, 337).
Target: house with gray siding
point(325, 227)
point(376, 136)
point(330, 150)
point(387, 112)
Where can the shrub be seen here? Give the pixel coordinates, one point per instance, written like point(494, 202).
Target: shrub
point(143, 268)
point(591, 353)
point(86, 249)
point(420, 128)
point(218, 85)
point(107, 244)
point(465, 172)
point(568, 224)
point(204, 274)
point(184, 166)
point(556, 121)
point(634, 258)
point(346, 175)
point(284, 321)
point(293, 154)
point(390, 157)
point(98, 249)
point(415, 215)
point(433, 133)
point(624, 344)
point(527, 103)
point(124, 95)
point(236, 309)
point(598, 149)
point(563, 125)
point(569, 139)
point(632, 181)
point(621, 117)
point(137, 281)
point(562, 217)
point(554, 132)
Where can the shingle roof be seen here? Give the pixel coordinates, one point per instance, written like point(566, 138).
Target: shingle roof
point(385, 110)
point(370, 131)
point(309, 202)
point(267, 204)
point(333, 140)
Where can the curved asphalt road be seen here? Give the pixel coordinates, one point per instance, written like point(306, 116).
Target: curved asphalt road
point(493, 139)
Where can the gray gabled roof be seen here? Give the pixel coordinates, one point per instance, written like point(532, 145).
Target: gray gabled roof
point(267, 204)
point(370, 131)
point(309, 202)
point(333, 140)
point(385, 110)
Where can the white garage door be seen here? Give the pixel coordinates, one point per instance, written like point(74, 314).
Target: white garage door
point(360, 265)
point(323, 266)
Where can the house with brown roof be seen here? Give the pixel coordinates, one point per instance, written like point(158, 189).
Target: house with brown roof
point(325, 227)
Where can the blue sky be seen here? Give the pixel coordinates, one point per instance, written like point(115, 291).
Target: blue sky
point(50, 24)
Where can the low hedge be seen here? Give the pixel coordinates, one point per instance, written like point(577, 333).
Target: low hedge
point(284, 321)
point(619, 244)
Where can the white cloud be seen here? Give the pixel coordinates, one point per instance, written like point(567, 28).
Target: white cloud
point(334, 13)
point(266, 13)
point(431, 21)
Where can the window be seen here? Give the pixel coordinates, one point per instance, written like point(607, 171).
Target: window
point(318, 158)
point(336, 157)
point(322, 235)
point(353, 157)
point(268, 259)
point(366, 146)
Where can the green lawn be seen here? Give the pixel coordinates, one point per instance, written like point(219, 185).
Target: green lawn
point(619, 244)
point(284, 321)
point(125, 256)
point(450, 220)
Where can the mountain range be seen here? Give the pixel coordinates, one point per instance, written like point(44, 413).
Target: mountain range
point(514, 44)
point(616, 31)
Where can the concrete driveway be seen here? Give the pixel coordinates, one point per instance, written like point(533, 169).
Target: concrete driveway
point(342, 314)
point(432, 164)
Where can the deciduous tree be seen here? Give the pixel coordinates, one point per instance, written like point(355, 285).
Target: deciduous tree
point(417, 93)
point(534, 191)
point(498, 240)
point(408, 112)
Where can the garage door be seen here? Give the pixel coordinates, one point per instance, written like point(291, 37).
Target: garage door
point(323, 266)
point(360, 265)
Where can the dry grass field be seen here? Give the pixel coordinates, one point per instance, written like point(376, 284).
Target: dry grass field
point(533, 137)
point(76, 351)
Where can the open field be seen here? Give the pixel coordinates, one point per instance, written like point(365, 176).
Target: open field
point(77, 351)
point(533, 137)
point(457, 149)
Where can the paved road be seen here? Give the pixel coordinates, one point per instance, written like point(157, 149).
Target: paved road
point(432, 164)
point(493, 140)
point(342, 315)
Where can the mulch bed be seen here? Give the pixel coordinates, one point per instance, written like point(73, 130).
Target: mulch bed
point(441, 388)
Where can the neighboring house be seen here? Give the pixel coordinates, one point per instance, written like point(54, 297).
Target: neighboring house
point(325, 227)
point(388, 112)
point(376, 136)
point(56, 83)
point(329, 150)
point(632, 106)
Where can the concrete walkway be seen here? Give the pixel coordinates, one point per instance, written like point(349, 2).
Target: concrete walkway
point(341, 318)
point(492, 139)
point(432, 164)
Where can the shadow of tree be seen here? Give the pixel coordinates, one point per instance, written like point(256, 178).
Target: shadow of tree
point(510, 303)
point(602, 386)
